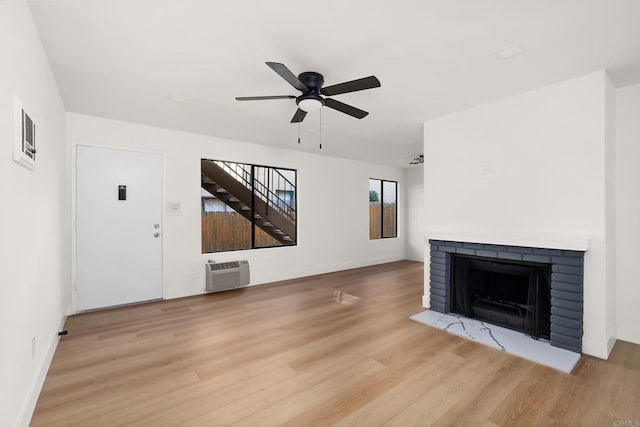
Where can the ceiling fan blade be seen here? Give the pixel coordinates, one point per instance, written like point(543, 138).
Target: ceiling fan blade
point(352, 86)
point(286, 74)
point(298, 116)
point(260, 98)
point(345, 108)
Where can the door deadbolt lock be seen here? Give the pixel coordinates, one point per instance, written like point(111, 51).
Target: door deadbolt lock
point(156, 226)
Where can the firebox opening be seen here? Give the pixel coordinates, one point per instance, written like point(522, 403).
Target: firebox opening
point(515, 295)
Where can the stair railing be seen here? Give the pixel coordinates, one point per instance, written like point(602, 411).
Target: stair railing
point(267, 183)
point(240, 171)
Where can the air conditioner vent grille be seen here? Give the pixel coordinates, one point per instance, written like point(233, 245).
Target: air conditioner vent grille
point(224, 265)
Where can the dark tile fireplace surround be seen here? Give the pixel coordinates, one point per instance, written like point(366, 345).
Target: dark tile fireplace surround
point(536, 291)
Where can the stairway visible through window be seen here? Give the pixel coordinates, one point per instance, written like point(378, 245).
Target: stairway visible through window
point(383, 209)
point(247, 206)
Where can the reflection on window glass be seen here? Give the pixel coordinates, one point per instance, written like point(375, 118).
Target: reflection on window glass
point(247, 206)
point(389, 210)
point(375, 217)
point(383, 211)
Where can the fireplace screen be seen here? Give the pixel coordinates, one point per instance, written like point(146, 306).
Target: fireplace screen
point(516, 295)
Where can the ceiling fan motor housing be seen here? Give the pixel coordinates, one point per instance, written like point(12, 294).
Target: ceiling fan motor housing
point(312, 80)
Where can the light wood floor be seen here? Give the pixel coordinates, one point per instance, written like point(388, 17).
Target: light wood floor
point(332, 349)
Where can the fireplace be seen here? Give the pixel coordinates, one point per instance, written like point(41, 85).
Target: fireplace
point(512, 294)
point(537, 291)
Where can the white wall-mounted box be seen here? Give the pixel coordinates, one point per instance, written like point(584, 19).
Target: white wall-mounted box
point(24, 145)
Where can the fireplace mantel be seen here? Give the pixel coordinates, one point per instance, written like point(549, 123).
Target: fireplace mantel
point(511, 239)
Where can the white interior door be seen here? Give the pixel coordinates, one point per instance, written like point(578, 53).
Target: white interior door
point(119, 242)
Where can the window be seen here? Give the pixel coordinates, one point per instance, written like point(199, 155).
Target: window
point(383, 210)
point(247, 206)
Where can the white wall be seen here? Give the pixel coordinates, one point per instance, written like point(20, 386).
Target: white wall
point(34, 235)
point(628, 212)
point(333, 230)
point(530, 167)
point(414, 203)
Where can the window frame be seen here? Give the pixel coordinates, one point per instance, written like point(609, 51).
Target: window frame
point(395, 231)
point(253, 196)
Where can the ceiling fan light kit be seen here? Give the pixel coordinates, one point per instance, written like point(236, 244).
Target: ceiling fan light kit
point(311, 102)
point(311, 84)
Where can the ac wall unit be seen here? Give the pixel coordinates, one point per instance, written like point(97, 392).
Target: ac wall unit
point(221, 276)
point(24, 146)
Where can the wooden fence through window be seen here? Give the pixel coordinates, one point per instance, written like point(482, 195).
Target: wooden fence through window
point(375, 221)
point(228, 231)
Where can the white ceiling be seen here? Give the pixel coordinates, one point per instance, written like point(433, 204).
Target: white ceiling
point(179, 63)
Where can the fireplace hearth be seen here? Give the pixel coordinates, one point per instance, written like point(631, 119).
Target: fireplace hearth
point(536, 291)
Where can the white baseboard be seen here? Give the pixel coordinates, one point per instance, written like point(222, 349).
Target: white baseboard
point(426, 301)
point(333, 268)
point(24, 419)
point(268, 278)
point(595, 348)
point(610, 344)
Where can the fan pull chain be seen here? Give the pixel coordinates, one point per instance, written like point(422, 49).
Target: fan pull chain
point(321, 128)
point(298, 132)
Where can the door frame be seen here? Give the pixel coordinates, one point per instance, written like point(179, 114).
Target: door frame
point(73, 307)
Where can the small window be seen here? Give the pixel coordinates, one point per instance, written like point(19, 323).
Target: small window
point(383, 209)
point(247, 206)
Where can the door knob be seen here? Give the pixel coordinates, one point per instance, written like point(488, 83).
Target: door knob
point(156, 234)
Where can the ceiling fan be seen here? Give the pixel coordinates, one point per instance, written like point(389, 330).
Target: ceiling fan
point(310, 84)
